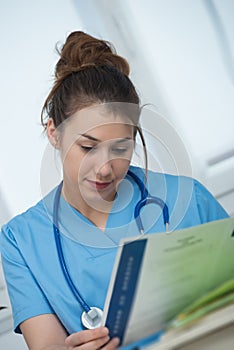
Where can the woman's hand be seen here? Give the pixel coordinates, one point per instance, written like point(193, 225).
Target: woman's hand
point(91, 340)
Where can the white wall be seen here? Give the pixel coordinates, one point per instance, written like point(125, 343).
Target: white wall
point(177, 64)
point(182, 46)
point(189, 47)
point(29, 32)
point(181, 54)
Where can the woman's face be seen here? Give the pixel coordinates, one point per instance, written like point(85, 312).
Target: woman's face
point(96, 148)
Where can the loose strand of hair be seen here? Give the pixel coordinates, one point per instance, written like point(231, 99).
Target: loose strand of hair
point(145, 153)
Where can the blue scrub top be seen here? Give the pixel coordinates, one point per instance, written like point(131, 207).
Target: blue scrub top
point(35, 282)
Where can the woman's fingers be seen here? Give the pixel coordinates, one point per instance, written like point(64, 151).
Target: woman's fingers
point(112, 344)
point(91, 340)
point(94, 344)
point(84, 337)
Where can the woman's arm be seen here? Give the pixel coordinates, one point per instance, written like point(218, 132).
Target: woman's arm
point(45, 332)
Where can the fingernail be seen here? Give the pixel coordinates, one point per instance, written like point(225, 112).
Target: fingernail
point(116, 341)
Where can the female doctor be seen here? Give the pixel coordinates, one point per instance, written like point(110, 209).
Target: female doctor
point(91, 117)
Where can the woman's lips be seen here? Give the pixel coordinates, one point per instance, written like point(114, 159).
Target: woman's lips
point(99, 185)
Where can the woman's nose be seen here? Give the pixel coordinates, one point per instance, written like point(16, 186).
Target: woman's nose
point(103, 165)
point(104, 170)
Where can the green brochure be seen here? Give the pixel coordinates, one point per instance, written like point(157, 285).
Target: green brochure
point(157, 276)
point(213, 300)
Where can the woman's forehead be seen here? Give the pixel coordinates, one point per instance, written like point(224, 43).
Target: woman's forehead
point(96, 121)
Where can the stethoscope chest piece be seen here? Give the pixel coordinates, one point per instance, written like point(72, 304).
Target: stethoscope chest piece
point(93, 318)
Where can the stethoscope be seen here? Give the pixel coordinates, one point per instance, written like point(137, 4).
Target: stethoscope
point(91, 316)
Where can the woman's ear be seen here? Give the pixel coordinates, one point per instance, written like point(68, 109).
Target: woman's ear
point(52, 133)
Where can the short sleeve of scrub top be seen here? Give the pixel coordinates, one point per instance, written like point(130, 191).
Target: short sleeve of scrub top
point(27, 298)
point(34, 279)
point(208, 207)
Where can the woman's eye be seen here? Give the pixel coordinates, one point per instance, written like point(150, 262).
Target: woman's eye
point(119, 150)
point(87, 148)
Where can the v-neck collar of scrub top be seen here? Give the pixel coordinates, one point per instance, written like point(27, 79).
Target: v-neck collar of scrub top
point(75, 226)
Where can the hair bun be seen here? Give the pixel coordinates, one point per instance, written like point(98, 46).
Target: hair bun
point(82, 51)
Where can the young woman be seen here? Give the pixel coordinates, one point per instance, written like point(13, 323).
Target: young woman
point(91, 117)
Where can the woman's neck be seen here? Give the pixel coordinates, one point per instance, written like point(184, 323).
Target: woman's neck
point(96, 212)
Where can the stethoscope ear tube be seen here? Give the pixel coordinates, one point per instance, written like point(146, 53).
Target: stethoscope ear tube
point(150, 200)
point(147, 199)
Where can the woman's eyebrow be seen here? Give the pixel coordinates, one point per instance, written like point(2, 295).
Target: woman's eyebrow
point(97, 140)
point(123, 140)
point(89, 137)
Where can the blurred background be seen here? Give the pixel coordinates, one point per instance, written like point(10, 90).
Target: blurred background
point(181, 54)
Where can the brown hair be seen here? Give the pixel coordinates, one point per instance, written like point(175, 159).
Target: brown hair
point(88, 72)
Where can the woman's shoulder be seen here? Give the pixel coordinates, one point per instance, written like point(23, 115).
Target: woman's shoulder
point(185, 193)
point(36, 215)
point(155, 176)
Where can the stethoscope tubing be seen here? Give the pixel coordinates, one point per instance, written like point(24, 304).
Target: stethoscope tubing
point(63, 265)
point(145, 199)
